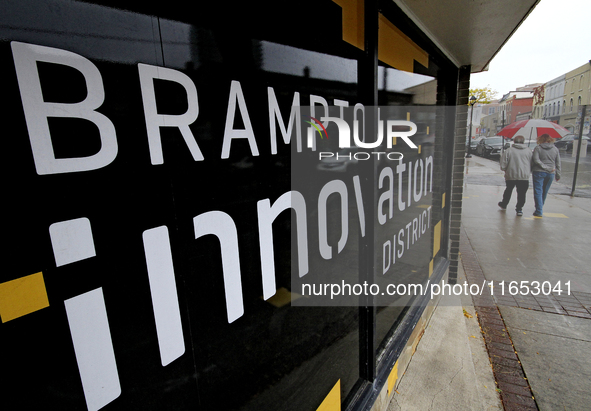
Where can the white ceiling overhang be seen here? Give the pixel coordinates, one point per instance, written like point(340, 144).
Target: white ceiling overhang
point(468, 32)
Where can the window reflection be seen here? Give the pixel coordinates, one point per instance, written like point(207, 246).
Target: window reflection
point(297, 62)
point(96, 32)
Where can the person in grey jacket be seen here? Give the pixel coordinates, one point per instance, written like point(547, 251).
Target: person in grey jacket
point(516, 163)
point(545, 167)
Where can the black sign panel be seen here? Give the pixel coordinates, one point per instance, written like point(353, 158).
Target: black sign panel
point(149, 206)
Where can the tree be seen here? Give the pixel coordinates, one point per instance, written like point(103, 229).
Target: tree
point(483, 95)
point(539, 94)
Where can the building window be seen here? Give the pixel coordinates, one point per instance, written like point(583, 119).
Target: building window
point(571, 105)
point(558, 108)
point(579, 101)
point(581, 83)
point(563, 106)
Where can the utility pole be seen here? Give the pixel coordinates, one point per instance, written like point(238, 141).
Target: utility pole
point(580, 140)
point(472, 102)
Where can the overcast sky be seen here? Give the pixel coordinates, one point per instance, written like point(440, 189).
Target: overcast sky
point(554, 39)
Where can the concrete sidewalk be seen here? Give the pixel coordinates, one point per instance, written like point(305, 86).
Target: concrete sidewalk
point(514, 350)
point(450, 369)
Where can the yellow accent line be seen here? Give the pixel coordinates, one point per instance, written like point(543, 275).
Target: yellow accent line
point(396, 49)
point(430, 268)
point(546, 215)
point(332, 402)
point(282, 297)
point(353, 22)
point(555, 215)
point(443, 200)
point(436, 238)
point(392, 378)
point(22, 296)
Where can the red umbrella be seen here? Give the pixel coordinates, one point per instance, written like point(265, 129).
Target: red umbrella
point(532, 129)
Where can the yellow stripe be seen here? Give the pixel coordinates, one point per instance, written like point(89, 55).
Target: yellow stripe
point(22, 296)
point(394, 47)
point(332, 402)
point(436, 238)
point(353, 22)
point(398, 50)
point(555, 215)
point(392, 378)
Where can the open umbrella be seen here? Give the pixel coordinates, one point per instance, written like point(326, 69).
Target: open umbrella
point(532, 129)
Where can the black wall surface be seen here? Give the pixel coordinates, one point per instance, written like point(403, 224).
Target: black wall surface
point(272, 356)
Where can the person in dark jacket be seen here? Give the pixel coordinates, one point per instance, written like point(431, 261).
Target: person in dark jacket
point(545, 167)
point(516, 163)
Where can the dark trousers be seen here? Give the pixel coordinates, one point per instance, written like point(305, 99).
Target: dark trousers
point(522, 186)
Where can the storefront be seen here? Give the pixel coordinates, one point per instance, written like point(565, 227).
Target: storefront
point(149, 157)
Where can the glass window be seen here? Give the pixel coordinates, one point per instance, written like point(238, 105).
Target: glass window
point(201, 120)
point(404, 252)
point(273, 343)
point(408, 234)
point(179, 189)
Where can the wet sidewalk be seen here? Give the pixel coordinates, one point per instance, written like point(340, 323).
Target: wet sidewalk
point(537, 325)
point(511, 350)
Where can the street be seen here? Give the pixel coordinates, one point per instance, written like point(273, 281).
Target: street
point(564, 186)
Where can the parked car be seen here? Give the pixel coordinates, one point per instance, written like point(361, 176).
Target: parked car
point(566, 142)
point(473, 144)
point(491, 146)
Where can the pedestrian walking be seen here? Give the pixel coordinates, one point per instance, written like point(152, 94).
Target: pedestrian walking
point(516, 163)
point(545, 167)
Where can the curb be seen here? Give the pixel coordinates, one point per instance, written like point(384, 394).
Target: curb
point(512, 384)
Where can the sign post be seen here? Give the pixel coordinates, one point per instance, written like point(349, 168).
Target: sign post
point(579, 131)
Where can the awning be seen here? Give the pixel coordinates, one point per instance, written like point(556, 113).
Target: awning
point(468, 32)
